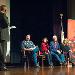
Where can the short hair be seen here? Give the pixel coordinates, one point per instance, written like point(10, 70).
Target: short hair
point(45, 38)
point(54, 36)
point(28, 35)
point(2, 7)
point(65, 41)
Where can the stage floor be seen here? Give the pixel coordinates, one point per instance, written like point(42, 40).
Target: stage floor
point(39, 71)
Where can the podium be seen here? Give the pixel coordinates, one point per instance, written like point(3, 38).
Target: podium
point(5, 36)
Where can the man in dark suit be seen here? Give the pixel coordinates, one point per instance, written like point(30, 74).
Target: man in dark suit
point(4, 23)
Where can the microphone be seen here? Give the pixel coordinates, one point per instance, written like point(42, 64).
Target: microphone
point(12, 27)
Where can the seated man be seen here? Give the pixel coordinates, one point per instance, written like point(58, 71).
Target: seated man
point(55, 50)
point(45, 51)
point(28, 45)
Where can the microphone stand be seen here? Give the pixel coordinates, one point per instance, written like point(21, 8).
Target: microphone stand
point(62, 32)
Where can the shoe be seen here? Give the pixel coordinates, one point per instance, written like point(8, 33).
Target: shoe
point(60, 63)
point(4, 69)
point(51, 66)
point(63, 63)
point(37, 66)
point(0, 69)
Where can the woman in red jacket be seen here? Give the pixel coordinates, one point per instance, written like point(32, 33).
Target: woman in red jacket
point(45, 50)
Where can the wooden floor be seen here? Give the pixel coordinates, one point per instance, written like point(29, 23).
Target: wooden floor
point(40, 71)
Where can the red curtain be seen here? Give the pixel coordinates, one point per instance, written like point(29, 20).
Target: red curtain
point(71, 29)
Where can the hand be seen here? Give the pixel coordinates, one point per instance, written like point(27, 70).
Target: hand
point(48, 51)
point(70, 51)
point(58, 51)
point(28, 49)
point(31, 49)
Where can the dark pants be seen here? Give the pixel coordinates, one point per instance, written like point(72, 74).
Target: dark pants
point(33, 56)
point(49, 58)
point(1, 58)
point(60, 57)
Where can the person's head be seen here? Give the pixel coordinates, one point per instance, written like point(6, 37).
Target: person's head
point(3, 8)
point(66, 41)
point(28, 37)
point(55, 38)
point(45, 40)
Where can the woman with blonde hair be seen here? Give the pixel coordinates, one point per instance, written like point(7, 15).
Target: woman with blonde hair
point(65, 48)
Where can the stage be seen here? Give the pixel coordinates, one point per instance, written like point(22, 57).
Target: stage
point(39, 71)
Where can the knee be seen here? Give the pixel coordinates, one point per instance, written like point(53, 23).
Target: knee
point(36, 50)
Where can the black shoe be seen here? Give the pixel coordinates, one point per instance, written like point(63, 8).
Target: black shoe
point(0, 69)
point(4, 69)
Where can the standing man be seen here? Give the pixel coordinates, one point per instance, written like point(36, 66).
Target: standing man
point(55, 50)
point(28, 46)
point(3, 34)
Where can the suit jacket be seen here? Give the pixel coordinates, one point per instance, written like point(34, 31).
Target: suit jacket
point(4, 23)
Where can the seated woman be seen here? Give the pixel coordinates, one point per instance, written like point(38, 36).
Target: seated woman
point(65, 48)
point(45, 50)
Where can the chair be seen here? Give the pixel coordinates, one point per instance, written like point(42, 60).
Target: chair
point(42, 57)
point(26, 60)
point(72, 57)
point(67, 58)
point(66, 54)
